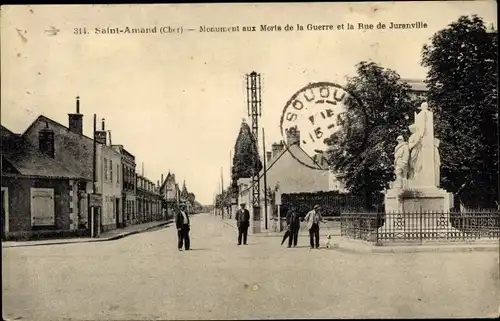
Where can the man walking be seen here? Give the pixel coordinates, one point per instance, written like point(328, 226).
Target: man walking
point(182, 224)
point(243, 222)
point(293, 222)
point(312, 219)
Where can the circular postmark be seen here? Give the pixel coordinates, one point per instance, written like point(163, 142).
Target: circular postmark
point(311, 116)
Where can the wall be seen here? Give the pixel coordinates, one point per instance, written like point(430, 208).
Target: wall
point(74, 151)
point(293, 177)
point(110, 185)
point(20, 202)
point(171, 191)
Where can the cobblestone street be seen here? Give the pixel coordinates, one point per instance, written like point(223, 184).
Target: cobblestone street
point(143, 276)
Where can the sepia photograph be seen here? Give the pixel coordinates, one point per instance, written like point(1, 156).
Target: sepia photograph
point(237, 161)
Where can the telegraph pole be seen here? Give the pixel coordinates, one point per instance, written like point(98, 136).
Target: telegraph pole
point(222, 190)
point(255, 111)
point(93, 215)
point(265, 176)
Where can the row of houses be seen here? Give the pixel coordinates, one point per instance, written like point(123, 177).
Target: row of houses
point(50, 171)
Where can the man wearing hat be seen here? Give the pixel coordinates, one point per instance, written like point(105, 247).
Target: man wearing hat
point(312, 220)
point(401, 158)
point(243, 222)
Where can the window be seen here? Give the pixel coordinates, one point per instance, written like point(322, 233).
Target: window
point(105, 168)
point(111, 170)
point(117, 173)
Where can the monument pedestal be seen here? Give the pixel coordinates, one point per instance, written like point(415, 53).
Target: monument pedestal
point(419, 213)
point(418, 199)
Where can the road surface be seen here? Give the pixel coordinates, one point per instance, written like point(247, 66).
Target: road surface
point(144, 277)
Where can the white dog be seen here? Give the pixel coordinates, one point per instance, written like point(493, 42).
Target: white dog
point(328, 241)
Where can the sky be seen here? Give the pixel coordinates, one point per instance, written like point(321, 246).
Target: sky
point(176, 101)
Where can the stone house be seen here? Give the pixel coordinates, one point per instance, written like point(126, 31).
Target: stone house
point(38, 193)
point(74, 151)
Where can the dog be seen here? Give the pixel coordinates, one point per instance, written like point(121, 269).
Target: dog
point(328, 241)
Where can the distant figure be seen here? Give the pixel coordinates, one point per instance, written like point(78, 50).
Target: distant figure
point(183, 228)
point(312, 220)
point(293, 222)
point(243, 221)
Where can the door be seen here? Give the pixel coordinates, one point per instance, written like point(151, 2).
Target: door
point(117, 212)
point(5, 211)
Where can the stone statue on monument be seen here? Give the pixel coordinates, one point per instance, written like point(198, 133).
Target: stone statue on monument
point(416, 141)
point(401, 156)
point(437, 162)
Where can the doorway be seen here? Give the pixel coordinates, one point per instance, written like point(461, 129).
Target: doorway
point(5, 211)
point(117, 213)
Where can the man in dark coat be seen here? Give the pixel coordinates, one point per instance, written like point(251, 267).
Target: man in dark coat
point(183, 228)
point(243, 222)
point(293, 222)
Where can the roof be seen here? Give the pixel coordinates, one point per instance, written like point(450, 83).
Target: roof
point(417, 84)
point(300, 156)
point(304, 177)
point(83, 169)
point(27, 160)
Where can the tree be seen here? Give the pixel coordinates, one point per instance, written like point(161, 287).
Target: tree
point(184, 191)
point(379, 109)
point(191, 198)
point(462, 81)
point(246, 160)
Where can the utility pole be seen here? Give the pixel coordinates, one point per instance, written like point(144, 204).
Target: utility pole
point(265, 176)
point(255, 111)
point(222, 189)
point(93, 215)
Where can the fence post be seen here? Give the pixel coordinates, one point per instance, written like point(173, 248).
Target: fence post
point(376, 227)
point(420, 226)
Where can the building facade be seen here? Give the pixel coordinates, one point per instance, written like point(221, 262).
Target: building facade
point(149, 205)
point(38, 194)
point(129, 204)
point(109, 178)
point(74, 151)
point(170, 193)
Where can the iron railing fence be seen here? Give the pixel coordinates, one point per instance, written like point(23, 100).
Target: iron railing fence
point(420, 227)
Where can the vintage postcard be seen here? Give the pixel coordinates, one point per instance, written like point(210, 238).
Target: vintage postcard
point(250, 161)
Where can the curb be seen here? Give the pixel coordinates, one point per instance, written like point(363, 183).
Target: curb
point(443, 248)
point(112, 238)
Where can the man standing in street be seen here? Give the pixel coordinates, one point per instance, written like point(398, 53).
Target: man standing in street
point(243, 222)
point(293, 222)
point(182, 224)
point(312, 219)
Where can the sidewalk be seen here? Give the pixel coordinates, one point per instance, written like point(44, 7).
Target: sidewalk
point(365, 247)
point(107, 236)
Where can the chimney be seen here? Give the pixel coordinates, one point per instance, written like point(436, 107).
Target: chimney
point(292, 136)
point(269, 156)
point(162, 179)
point(103, 133)
point(76, 120)
point(158, 183)
point(277, 148)
point(46, 141)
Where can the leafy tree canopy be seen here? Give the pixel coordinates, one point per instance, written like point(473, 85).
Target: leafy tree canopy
point(462, 81)
point(246, 158)
point(380, 109)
